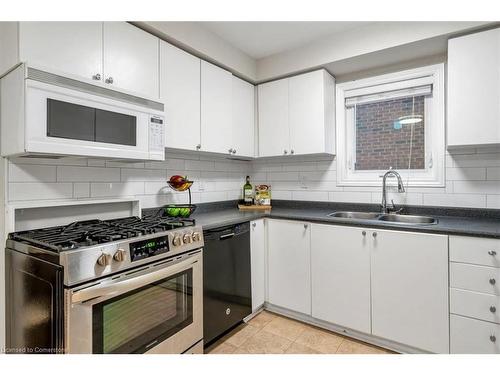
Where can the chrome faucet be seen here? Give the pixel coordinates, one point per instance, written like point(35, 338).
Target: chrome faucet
point(401, 189)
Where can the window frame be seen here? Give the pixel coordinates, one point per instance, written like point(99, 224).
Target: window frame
point(434, 173)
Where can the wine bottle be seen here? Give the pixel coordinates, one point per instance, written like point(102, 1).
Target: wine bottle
point(248, 192)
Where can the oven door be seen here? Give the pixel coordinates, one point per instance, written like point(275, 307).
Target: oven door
point(156, 309)
point(61, 120)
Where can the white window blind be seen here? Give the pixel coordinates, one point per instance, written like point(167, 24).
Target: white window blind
point(388, 95)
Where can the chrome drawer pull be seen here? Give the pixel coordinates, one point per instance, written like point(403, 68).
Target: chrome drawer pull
point(493, 281)
point(493, 309)
point(493, 338)
point(492, 253)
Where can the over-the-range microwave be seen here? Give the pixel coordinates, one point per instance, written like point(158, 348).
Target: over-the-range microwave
point(45, 114)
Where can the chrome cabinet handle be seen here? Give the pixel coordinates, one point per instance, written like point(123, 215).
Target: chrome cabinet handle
point(292, 152)
point(493, 309)
point(198, 146)
point(306, 226)
point(109, 80)
point(285, 152)
point(363, 233)
point(234, 151)
point(492, 281)
point(230, 150)
point(493, 338)
point(492, 253)
point(374, 234)
point(254, 225)
point(96, 77)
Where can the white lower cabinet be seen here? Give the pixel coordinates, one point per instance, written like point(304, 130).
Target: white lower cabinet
point(258, 263)
point(472, 336)
point(409, 289)
point(340, 271)
point(289, 265)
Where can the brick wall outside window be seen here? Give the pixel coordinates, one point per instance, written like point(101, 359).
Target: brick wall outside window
point(379, 145)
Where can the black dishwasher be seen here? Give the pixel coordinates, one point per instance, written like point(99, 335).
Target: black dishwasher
point(227, 290)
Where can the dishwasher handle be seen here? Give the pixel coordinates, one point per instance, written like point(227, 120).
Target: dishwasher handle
point(226, 236)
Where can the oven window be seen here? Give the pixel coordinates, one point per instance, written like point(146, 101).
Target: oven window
point(136, 321)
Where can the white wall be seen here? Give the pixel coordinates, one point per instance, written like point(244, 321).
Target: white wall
point(215, 179)
point(206, 44)
point(472, 180)
point(357, 42)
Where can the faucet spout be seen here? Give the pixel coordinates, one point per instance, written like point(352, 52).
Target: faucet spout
point(401, 188)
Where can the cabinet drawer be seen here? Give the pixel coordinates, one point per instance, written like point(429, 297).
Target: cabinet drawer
point(476, 278)
point(472, 336)
point(482, 251)
point(475, 305)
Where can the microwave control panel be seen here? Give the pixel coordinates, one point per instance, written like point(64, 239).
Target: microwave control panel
point(156, 134)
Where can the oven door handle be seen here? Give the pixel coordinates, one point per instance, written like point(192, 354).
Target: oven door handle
point(117, 287)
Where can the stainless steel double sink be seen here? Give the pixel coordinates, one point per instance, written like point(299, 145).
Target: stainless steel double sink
point(392, 218)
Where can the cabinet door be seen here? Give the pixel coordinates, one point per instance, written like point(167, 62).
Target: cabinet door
point(274, 136)
point(243, 118)
point(311, 102)
point(216, 108)
point(410, 289)
point(131, 59)
point(289, 261)
point(180, 92)
point(340, 268)
point(69, 47)
point(474, 89)
point(258, 263)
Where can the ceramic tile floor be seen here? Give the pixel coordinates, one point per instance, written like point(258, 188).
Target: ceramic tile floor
point(269, 333)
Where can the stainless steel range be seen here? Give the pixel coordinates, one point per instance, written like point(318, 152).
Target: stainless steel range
point(128, 285)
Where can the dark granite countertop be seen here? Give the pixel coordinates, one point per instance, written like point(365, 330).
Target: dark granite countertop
point(470, 222)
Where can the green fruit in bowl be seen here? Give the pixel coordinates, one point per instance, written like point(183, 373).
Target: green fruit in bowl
point(175, 211)
point(184, 212)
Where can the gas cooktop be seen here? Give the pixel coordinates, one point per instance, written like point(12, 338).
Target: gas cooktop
point(93, 232)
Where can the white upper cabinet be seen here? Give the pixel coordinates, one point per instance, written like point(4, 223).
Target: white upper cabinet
point(131, 58)
point(243, 118)
point(296, 115)
point(274, 136)
point(311, 113)
point(474, 89)
point(340, 271)
point(67, 47)
point(289, 265)
point(216, 108)
point(180, 92)
point(409, 289)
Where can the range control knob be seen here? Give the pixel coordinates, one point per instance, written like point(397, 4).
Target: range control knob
point(119, 256)
point(196, 236)
point(104, 260)
point(187, 238)
point(177, 240)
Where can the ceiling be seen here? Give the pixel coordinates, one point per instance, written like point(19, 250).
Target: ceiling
point(261, 39)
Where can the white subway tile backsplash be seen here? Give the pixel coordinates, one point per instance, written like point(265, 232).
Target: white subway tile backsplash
point(27, 191)
point(493, 173)
point(32, 173)
point(81, 190)
point(133, 174)
point(281, 194)
point(283, 176)
point(321, 196)
point(477, 187)
point(493, 201)
point(200, 165)
point(90, 174)
point(464, 174)
point(455, 200)
point(350, 196)
point(116, 189)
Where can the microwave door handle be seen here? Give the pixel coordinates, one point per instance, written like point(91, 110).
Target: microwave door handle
point(120, 287)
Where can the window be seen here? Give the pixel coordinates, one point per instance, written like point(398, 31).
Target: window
point(394, 121)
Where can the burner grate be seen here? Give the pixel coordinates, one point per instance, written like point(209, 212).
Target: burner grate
point(93, 232)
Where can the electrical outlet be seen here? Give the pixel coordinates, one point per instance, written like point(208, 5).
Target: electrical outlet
point(201, 185)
